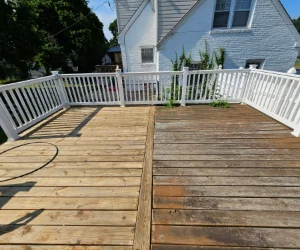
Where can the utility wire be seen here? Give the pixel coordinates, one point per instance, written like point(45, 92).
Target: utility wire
point(79, 20)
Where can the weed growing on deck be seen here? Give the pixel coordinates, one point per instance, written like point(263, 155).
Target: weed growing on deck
point(222, 104)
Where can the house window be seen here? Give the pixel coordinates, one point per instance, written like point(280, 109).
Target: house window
point(147, 55)
point(194, 66)
point(258, 62)
point(222, 13)
point(241, 14)
point(232, 13)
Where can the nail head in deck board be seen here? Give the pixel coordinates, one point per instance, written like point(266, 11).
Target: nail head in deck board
point(230, 181)
point(226, 218)
point(228, 203)
point(143, 224)
point(225, 191)
point(70, 218)
point(73, 235)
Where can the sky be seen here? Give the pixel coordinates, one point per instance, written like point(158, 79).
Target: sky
point(107, 15)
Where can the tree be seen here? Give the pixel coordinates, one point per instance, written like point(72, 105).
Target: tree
point(48, 33)
point(70, 30)
point(19, 41)
point(113, 27)
point(297, 23)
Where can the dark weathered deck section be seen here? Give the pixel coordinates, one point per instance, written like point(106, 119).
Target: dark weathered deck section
point(224, 179)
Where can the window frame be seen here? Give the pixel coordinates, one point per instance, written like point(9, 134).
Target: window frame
point(259, 62)
point(231, 16)
point(147, 47)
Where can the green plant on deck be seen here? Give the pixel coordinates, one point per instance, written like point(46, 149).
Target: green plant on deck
point(222, 104)
point(175, 89)
point(208, 84)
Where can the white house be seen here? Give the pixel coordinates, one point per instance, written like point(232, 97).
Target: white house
point(251, 31)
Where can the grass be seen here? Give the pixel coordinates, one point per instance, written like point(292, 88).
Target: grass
point(297, 65)
point(9, 80)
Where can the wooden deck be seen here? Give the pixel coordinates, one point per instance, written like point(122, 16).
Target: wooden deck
point(224, 179)
point(88, 195)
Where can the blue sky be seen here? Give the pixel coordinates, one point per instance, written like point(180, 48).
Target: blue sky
point(107, 15)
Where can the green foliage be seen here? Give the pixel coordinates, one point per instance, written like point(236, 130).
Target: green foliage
point(222, 104)
point(113, 28)
point(296, 22)
point(208, 61)
point(31, 35)
point(182, 61)
point(220, 57)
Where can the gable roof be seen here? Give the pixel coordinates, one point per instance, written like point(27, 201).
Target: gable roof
point(170, 13)
point(125, 11)
point(277, 3)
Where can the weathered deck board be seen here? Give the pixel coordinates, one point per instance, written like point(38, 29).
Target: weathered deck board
point(89, 195)
point(224, 179)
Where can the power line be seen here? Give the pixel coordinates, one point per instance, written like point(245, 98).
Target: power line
point(79, 20)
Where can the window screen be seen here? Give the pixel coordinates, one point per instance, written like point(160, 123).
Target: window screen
point(222, 13)
point(147, 55)
point(241, 14)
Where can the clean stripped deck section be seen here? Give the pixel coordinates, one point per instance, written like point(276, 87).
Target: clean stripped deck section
point(224, 179)
point(88, 196)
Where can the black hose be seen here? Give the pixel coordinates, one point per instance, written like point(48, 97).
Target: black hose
point(52, 159)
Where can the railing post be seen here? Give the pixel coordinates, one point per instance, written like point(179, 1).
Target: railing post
point(7, 127)
point(296, 131)
point(120, 86)
point(184, 85)
point(247, 83)
point(60, 89)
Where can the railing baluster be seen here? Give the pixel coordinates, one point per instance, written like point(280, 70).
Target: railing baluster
point(28, 102)
point(23, 104)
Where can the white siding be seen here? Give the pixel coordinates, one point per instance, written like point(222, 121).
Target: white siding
point(269, 38)
point(141, 33)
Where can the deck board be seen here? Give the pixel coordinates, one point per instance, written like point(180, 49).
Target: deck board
point(88, 196)
point(224, 179)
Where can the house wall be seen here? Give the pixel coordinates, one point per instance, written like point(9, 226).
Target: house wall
point(268, 38)
point(142, 33)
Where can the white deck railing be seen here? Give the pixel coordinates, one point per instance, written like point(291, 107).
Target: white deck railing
point(26, 103)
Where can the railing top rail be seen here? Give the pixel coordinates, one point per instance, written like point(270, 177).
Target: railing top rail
point(88, 74)
point(153, 73)
point(277, 73)
point(24, 83)
point(219, 71)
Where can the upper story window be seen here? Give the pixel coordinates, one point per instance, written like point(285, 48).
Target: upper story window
point(147, 55)
point(232, 13)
